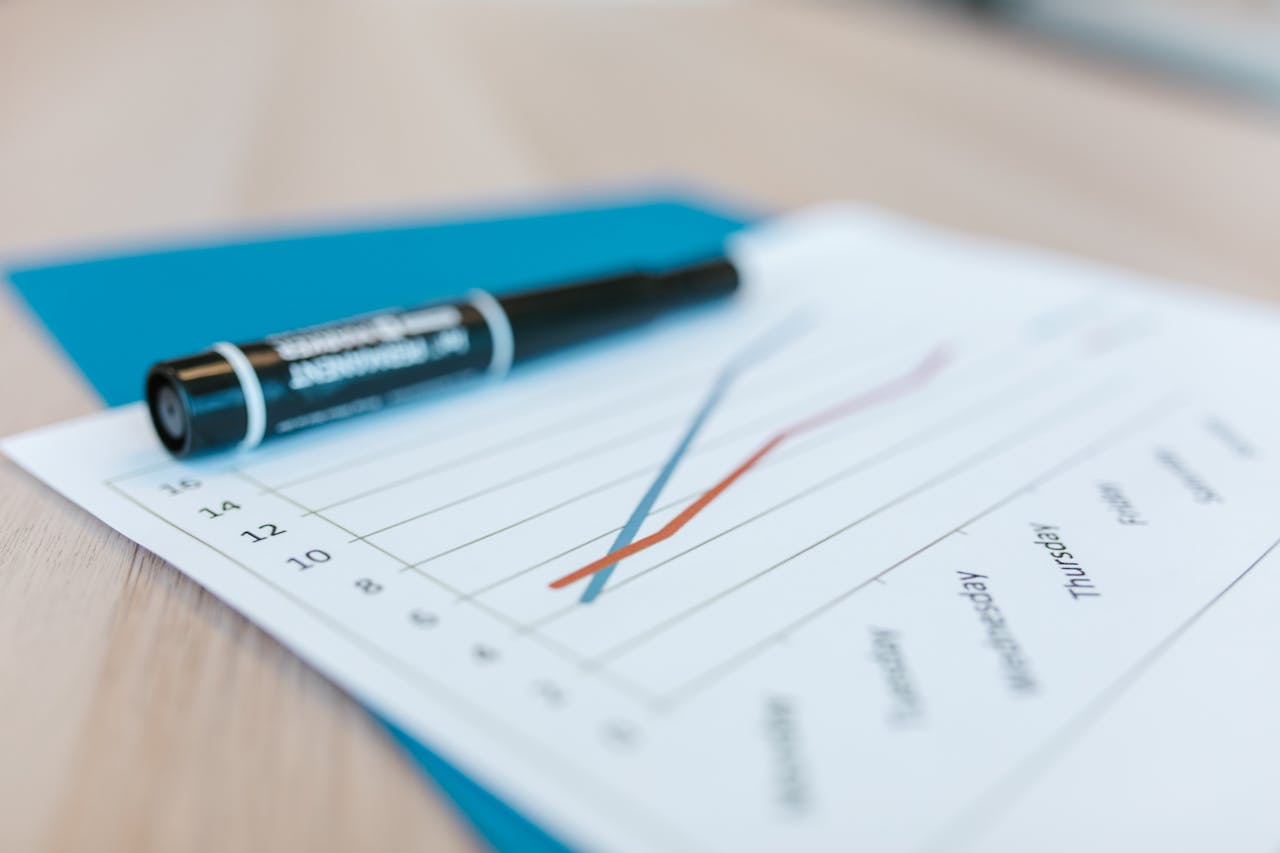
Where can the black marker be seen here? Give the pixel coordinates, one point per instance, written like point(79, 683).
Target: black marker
point(245, 393)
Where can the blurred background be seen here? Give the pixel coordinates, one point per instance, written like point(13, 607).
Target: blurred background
point(1141, 132)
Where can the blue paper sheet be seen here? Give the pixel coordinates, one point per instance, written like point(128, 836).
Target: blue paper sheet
point(115, 315)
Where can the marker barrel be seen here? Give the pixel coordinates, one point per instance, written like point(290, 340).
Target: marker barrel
point(242, 394)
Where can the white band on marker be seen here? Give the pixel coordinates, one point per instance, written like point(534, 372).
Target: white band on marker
point(504, 342)
point(255, 405)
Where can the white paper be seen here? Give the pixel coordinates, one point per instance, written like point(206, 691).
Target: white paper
point(1016, 591)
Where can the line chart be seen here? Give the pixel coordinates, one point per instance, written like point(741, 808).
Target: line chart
point(915, 378)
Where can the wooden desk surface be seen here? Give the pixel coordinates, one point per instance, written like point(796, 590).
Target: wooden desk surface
point(140, 714)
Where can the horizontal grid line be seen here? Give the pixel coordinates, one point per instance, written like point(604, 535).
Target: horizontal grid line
point(784, 455)
point(591, 414)
point(980, 409)
point(484, 420)
point(1163, 407)
point(617, 442)
point(635, 692)
point(994, 450)
point(561, 462)
point(719, 441)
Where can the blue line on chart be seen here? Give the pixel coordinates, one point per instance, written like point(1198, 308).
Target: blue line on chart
point(754, 353)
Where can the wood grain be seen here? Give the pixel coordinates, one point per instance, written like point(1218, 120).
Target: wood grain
point(138, 713)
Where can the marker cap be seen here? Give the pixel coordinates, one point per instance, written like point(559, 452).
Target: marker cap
point(196, 403)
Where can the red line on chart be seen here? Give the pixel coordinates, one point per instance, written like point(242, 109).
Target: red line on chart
point(912, 380)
